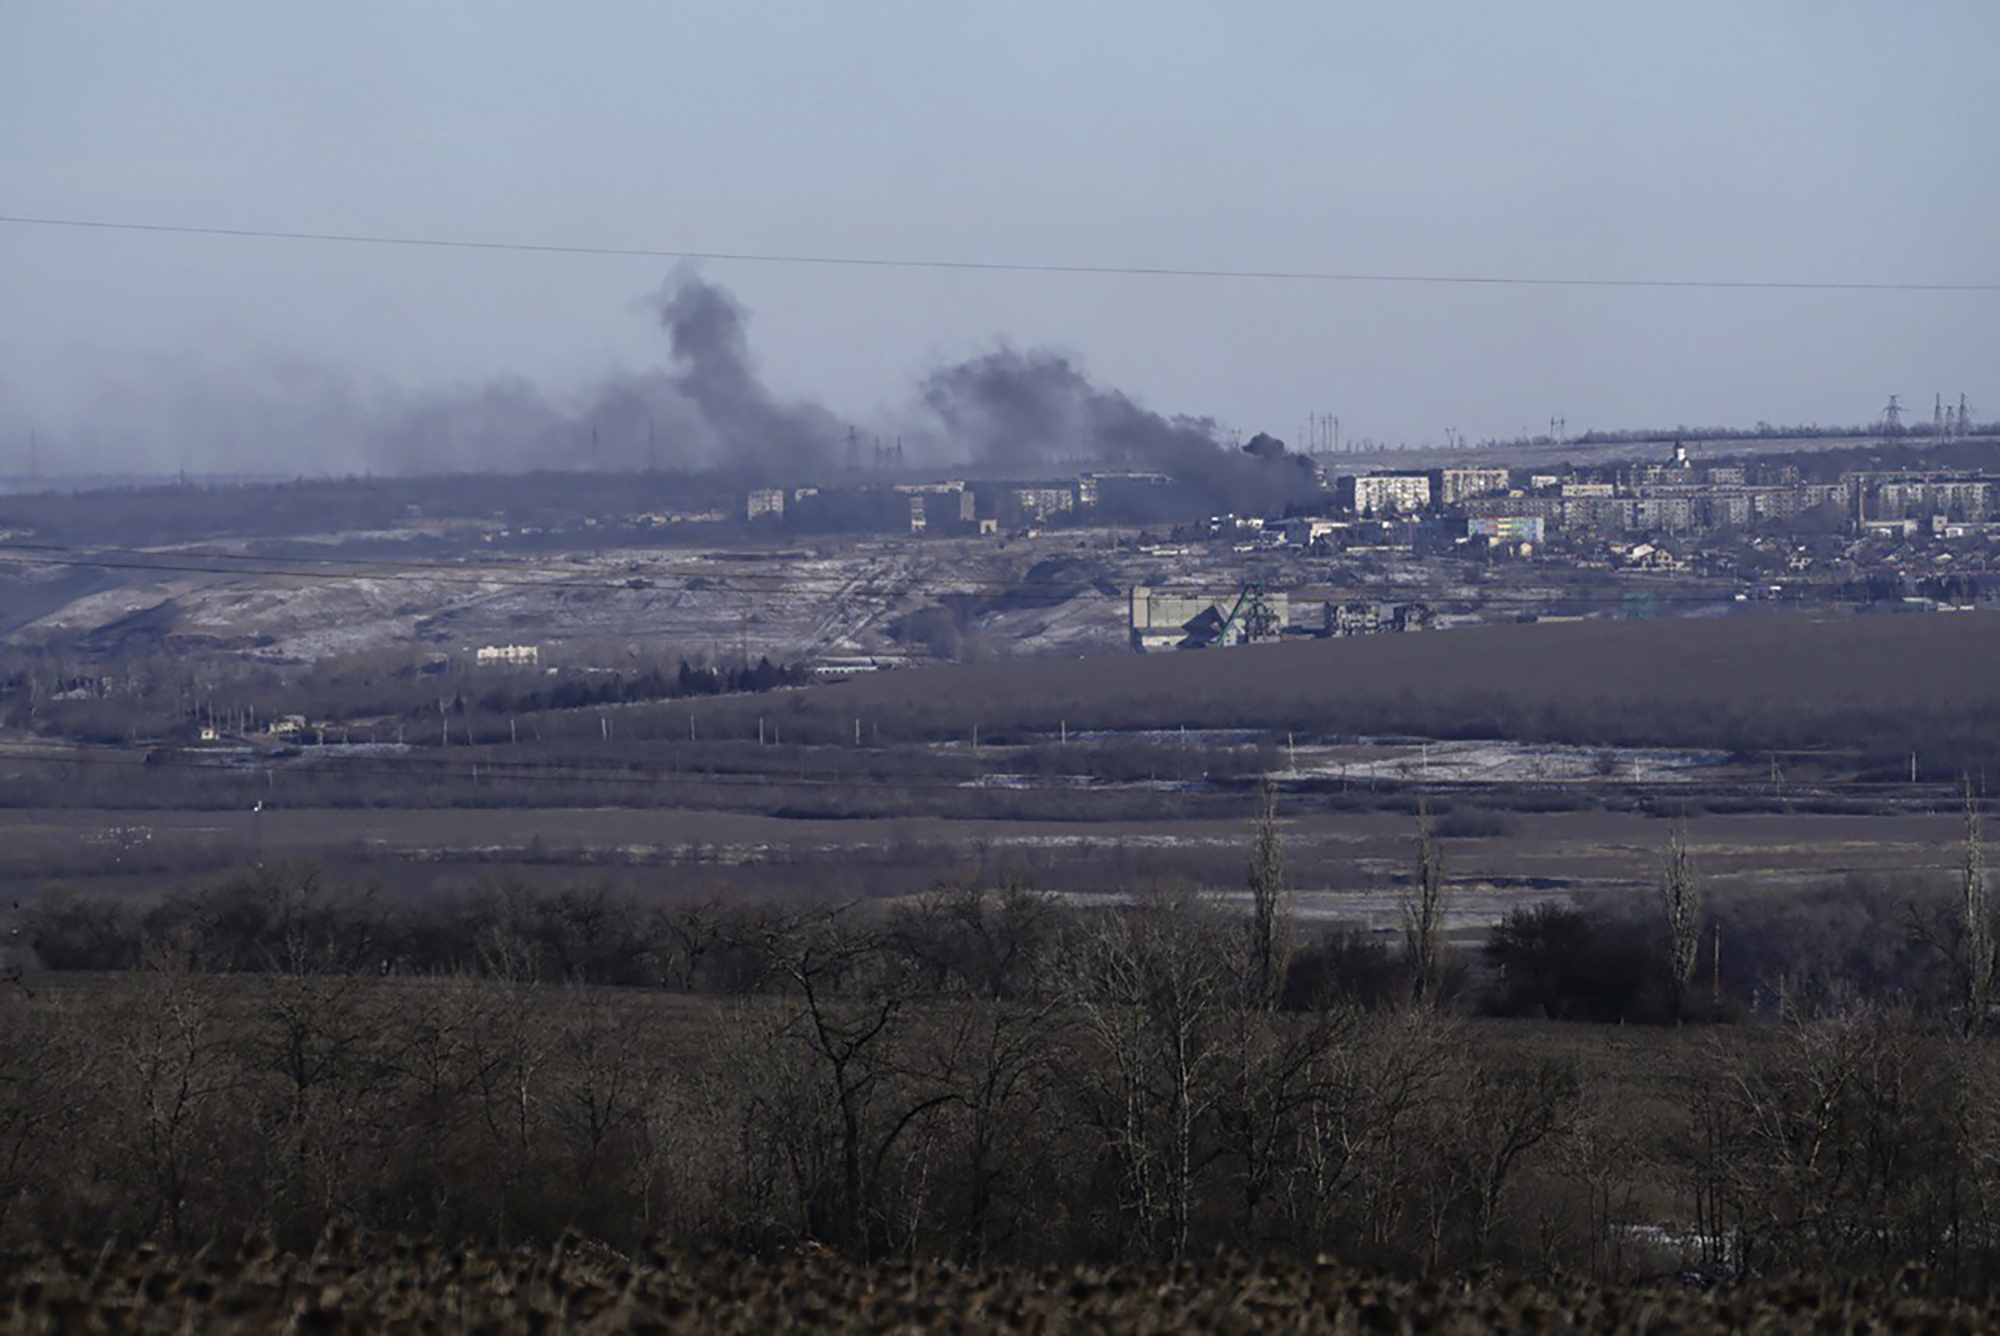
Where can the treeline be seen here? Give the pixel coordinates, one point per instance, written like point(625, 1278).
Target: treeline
point(577, 693)
point(984, 1074)
point(158, 699)
point(1604, 958)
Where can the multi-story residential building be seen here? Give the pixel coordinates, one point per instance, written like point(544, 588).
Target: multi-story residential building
point(1668, 509)
point(1386, 493)
point(1506, 528)
point(1605, 514)
point(1894, 495)
point(1456, 486)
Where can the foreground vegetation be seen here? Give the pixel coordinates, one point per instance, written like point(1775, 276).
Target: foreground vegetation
point(980, 1075)
point(362, 1284)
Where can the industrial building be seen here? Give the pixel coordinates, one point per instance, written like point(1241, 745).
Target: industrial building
point(1165, 619)
point(1371, 617)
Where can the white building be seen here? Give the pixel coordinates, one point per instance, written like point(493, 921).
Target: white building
point(1456, 485)
point(507, 656)
point(1384, 493)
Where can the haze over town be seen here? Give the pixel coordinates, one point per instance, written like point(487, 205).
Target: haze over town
point(1570, 142)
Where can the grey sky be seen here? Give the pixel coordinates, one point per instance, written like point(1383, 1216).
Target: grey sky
point(1796, 140)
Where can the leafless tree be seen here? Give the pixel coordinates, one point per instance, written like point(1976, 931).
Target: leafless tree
point(1491, 1119)
point(1680, 909)
point(1281, 1068)
point(848, 1022)
point(1360, 1153)
point(1423, 906)
point(1963, 938)
point(1271, 927)
point(51, 1075)
point(310, 1043)
point(179, 1073)
point(1976, 921)
point(1149, 988)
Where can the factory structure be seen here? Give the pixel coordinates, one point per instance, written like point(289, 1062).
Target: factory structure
point(1248, 615)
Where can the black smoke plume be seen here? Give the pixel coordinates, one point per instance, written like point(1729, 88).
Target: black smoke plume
point(705, 410)
point(701, 408)
point(751, 430)
point(1027, 414)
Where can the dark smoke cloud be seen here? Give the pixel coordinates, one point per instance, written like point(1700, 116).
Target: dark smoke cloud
point(703, 408)
point(1022, 414)
point(752, 430)
point(707, 409)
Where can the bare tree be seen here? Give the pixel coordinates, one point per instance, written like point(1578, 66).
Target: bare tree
point(1976, 911)
point(1962, 936)
point(1150, 989)
point(1280, 1070)
point(1360, 1158)
point(1270, 903)
point(1490, 1118)
point(179, 1077)
point(1423, 905)
point(849, 1025)
point(1680, 907)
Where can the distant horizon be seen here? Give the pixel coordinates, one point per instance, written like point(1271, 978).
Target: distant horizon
point(78, 482)
point(301, 237)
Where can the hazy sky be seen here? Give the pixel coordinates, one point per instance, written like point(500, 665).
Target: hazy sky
point(1811, 141)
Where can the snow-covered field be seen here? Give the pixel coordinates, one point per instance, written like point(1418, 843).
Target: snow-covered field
point(1494, 762)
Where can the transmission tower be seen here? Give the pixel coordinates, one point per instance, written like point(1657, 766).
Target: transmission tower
point(1892, 416)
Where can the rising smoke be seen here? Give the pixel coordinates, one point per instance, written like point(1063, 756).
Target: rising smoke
point(749, 427)
point(1008, 414)
point(706, 410)
point(1023, 414)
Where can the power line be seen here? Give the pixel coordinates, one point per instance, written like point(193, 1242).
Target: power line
point(996, 266)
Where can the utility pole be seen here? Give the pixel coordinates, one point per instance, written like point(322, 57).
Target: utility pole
point(1892, 417)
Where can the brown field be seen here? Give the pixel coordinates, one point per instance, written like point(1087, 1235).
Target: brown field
point(1345, 866)
point(814, 813)
point(352, 1284)
point(1823, 662)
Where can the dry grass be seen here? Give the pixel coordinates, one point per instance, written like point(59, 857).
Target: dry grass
point(352, 1284)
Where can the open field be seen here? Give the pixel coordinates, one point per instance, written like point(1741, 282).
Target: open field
point(1345, 867)
point(1555, 759)
point(1561, 678)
